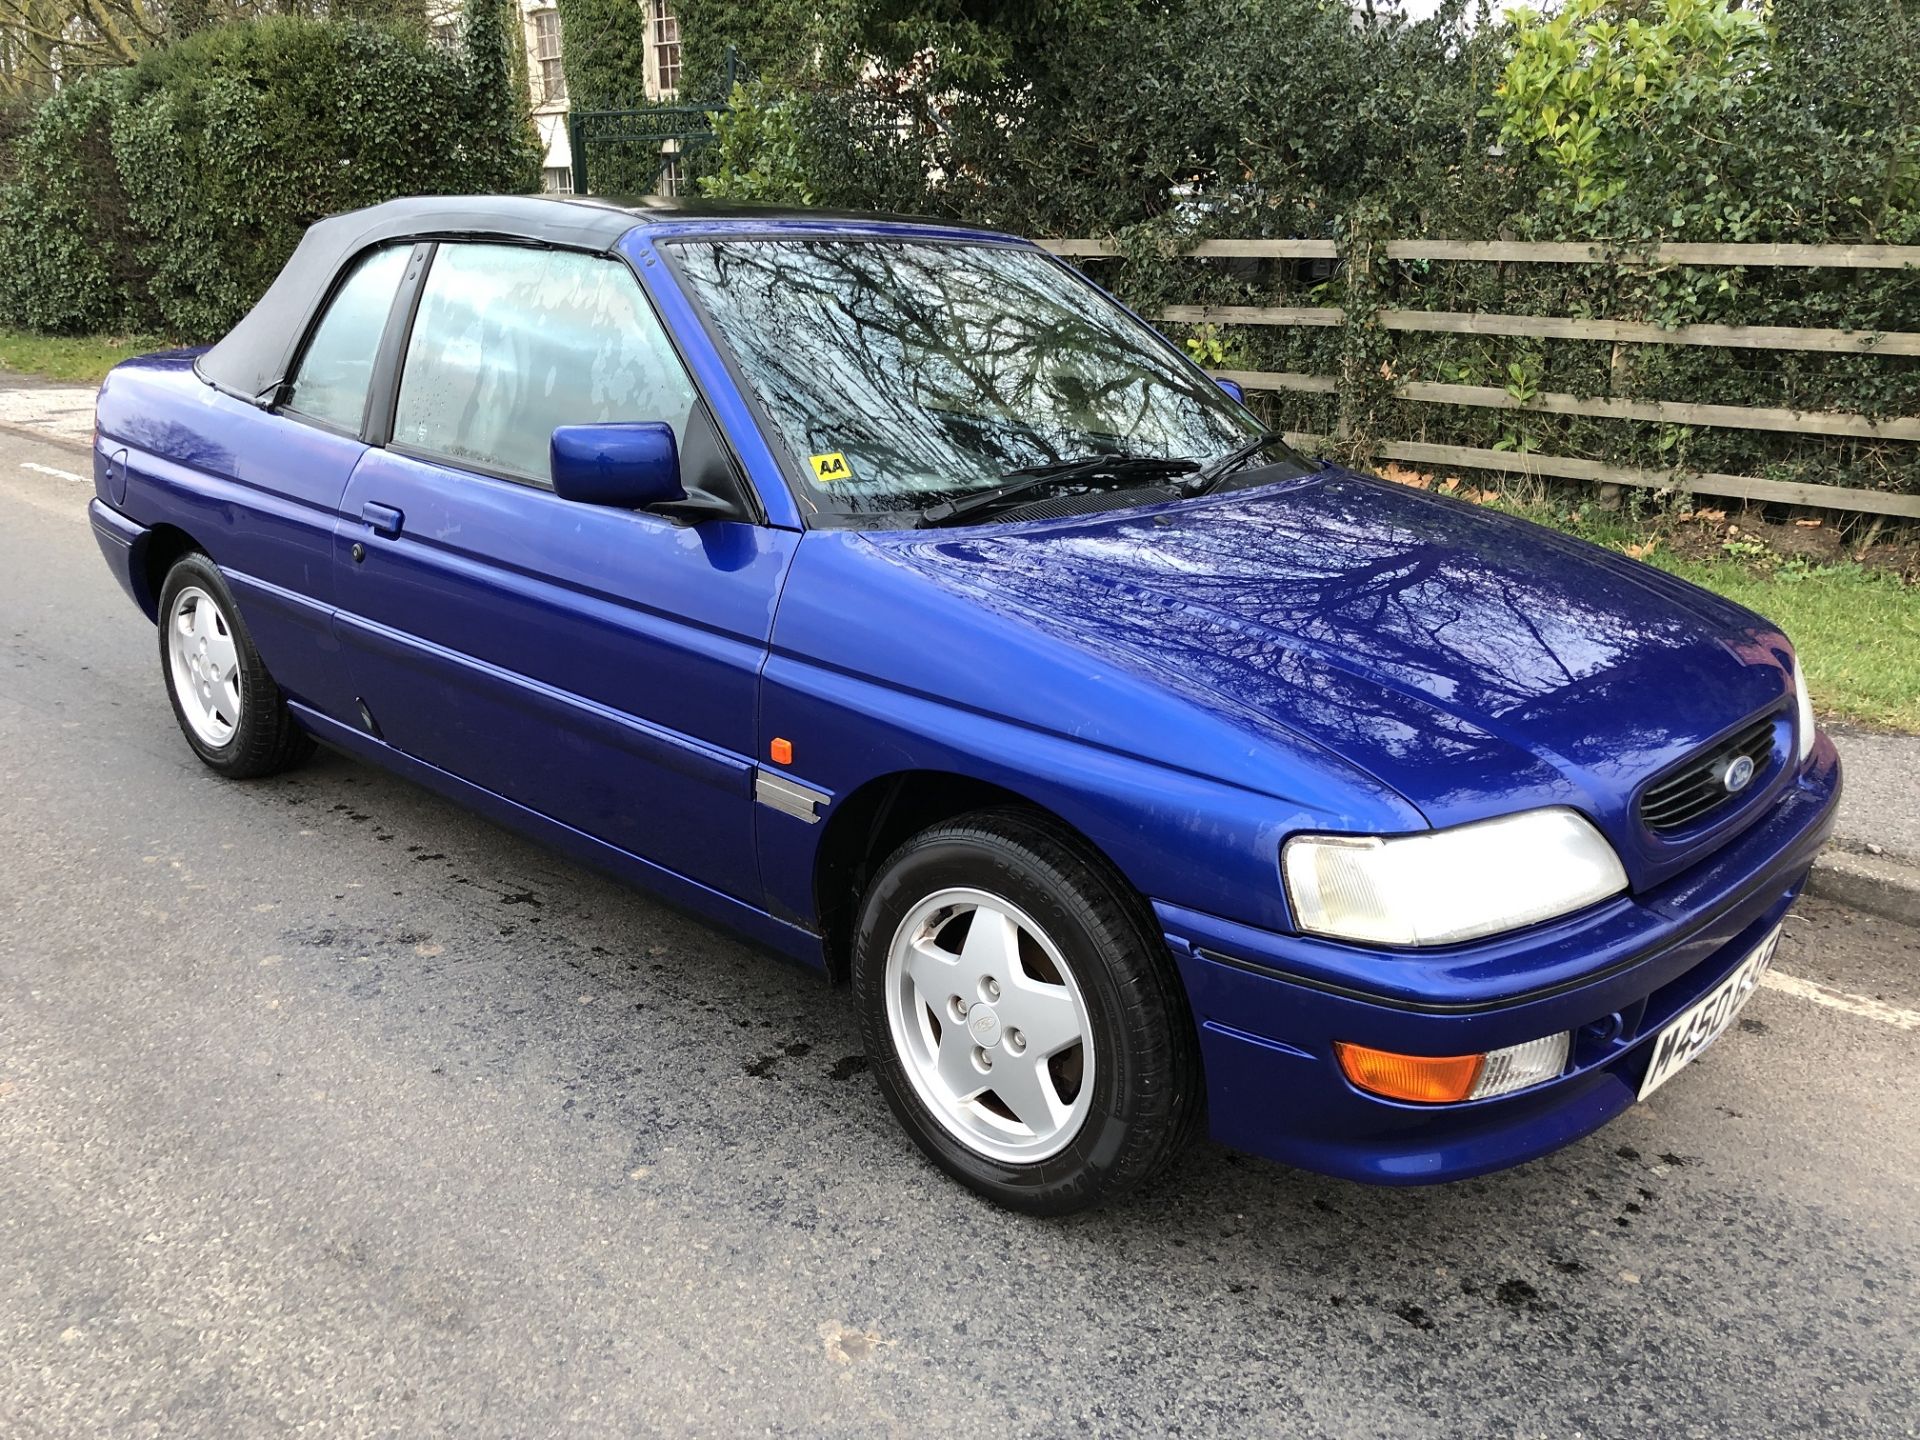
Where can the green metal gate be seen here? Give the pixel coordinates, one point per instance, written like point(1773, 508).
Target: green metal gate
point(631, 151)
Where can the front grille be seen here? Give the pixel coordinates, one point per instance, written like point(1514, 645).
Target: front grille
point(1698, 787)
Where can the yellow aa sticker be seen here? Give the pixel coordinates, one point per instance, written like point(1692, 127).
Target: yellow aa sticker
point(828, 468)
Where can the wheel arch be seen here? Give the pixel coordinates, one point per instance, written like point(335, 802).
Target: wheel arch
point(159, 550)
point(876, 818)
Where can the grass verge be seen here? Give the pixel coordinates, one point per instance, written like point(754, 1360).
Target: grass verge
point(1857, 631)
point(71, 359)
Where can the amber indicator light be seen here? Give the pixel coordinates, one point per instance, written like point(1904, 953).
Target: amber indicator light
point(1428, 1079)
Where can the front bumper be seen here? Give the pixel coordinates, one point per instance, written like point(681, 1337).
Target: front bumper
point(1269, 1006)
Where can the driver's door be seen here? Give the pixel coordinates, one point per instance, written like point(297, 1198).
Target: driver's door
point(596, 665)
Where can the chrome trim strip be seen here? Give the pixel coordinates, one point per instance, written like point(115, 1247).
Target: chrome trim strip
point(789, 797)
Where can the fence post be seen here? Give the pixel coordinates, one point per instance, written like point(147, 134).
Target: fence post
point(577, 151)
point(1364, 346)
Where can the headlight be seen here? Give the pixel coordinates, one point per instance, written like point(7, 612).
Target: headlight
point(1448, 885)
point(1803, 725)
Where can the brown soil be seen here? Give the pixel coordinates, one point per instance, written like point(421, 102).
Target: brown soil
point(1705, 533)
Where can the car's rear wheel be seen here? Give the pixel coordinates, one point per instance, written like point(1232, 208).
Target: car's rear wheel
point(231, 712)
point(1023, 1018)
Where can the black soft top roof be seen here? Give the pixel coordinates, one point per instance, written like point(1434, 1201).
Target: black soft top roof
point(253, 361)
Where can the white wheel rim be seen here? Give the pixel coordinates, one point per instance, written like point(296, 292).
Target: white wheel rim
point(206, 665)
point(990, 1026)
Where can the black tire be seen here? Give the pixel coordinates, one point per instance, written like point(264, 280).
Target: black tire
point(266, 739)
point(1146, 1088)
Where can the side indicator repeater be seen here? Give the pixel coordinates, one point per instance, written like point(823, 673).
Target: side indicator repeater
point(780, 751)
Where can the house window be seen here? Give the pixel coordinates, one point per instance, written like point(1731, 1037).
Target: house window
point(557, 180)
point(445, 34)
point(546, 53)
point(666, 46)
point(669, 182)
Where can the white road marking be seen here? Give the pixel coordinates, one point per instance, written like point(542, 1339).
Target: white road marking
point(55, 471)
point(1864, 1006)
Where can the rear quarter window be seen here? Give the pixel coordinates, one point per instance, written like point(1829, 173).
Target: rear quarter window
point(337, 368)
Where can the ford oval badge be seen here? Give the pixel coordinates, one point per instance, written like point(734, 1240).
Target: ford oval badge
point(1738, 774)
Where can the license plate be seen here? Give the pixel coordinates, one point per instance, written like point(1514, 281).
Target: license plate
point(1697, 1027)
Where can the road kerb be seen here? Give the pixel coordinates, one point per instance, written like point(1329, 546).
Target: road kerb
point(1874, 884)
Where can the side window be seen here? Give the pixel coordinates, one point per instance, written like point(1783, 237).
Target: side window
point(331, 383)
point(512, 341)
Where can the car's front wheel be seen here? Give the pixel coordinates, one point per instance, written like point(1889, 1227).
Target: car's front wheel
point(1023, 1018)
point(231, 712)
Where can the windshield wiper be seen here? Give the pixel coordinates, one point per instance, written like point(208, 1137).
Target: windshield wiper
point(1118, 468)
point(1214, 471)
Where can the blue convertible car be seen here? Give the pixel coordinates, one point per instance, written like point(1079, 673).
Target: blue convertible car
point(886, 591)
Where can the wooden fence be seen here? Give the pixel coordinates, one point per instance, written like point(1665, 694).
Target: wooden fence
point(1749, 337)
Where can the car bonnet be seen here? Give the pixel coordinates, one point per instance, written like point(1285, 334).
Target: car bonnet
point(1474, 663)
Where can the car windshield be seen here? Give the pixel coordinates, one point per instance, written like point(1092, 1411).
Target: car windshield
point(905, 374)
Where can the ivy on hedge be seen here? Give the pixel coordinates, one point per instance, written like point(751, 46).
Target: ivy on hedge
point(168, 195)
point(603, 51)
point(773, 40)
point(66, 250)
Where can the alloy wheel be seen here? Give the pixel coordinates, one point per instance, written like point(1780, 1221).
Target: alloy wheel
point(990, 1025)
point(206, 665)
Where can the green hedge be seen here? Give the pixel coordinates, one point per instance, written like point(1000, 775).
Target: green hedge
point(66, 249)
point(169, 194)
point(1163, 122)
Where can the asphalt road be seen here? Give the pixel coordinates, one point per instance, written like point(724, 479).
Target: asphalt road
point(326, 1107)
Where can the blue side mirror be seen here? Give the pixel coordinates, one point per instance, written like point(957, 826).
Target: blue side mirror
point(1235, 391)
point(629, 465)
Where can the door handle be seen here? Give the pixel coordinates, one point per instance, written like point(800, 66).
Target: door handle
point(384, 519)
